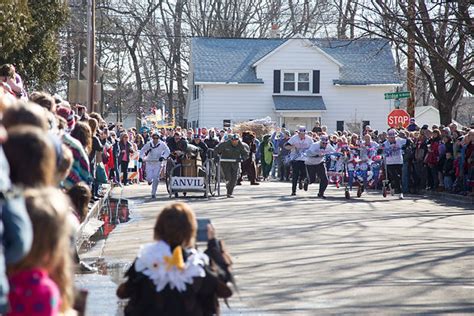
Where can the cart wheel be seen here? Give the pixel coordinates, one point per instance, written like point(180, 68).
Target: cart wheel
point(168, 184)
point(212, 178)
point(384, 192)
point(347, 194)
point(359, 191)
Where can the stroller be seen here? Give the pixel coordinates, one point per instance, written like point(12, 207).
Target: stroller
point(337, 167)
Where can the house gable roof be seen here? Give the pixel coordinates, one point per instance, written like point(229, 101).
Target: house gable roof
point(224, 60)
point(297, 37)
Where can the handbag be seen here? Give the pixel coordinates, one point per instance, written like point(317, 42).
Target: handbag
point(100, 175)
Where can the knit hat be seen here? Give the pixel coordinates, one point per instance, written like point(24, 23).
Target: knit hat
point(67, 114)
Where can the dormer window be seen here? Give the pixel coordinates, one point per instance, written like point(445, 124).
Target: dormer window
point(296, 81)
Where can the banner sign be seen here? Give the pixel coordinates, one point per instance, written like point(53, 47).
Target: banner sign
point(191, 183)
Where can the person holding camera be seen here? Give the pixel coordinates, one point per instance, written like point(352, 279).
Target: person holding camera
point(154, 152)
point(170, 276)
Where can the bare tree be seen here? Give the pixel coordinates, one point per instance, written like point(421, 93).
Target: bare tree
point(443, 47)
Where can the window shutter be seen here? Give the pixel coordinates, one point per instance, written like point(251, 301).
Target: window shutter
point(276, 81)
point(316, 81)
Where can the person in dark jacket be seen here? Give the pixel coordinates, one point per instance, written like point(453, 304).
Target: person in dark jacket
point(114, 173)
point(448, 171)
point(178, 146)
point(412, 127)
point(197, 141)
point(125, 149)
point(170, 277)
point(249, 166)
point(211, 141)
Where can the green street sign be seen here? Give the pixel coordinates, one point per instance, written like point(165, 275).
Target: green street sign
point(398, 95)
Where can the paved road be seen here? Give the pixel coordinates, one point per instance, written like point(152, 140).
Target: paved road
point(305, 256)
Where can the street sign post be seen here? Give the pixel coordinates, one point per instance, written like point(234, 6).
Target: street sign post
point(398, 118)
point(397, 95)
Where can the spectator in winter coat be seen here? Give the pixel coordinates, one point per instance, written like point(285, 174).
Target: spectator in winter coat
point(412, 127)
point(266, 151)
point(15, 226)
point(449, 171)
point(432, 159)
point(125, 149)
point(160, 291)
point(211, 141)
point(31, 157)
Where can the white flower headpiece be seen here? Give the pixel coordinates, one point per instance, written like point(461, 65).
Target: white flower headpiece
point(156, 261)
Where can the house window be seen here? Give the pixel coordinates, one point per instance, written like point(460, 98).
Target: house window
point(226, 123)
point(195, 92)
point(289, 81)
point(296, 81)
point(364, 124)
point(303, 81)
point(340, 126)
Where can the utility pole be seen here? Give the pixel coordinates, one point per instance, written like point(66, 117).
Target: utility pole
point(411, 61)
point(91, 55)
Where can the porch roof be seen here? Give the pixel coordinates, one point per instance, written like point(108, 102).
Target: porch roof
point(298, 103)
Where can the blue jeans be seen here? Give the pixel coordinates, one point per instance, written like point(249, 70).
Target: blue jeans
point(276, 163)
point(405, 177)
point(433, 170)
point(448, 183)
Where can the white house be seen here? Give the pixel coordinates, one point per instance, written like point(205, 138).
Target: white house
point(296, 81)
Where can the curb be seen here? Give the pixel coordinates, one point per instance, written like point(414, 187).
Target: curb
point(90, 222)
point(451, 197)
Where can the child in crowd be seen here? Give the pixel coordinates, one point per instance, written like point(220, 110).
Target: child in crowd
point(64, 166)
point(449, 172)
point(80, 195)
point(41, 283)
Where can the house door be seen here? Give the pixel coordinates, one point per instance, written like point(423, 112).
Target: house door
point(292, 123)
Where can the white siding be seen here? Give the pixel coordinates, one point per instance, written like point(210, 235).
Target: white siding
point(429, 116)
point(356, 104)
point(243, 102)
point(193, 108)
point(235, 102)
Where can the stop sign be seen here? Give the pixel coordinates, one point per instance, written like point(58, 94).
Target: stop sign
point(397, 118)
